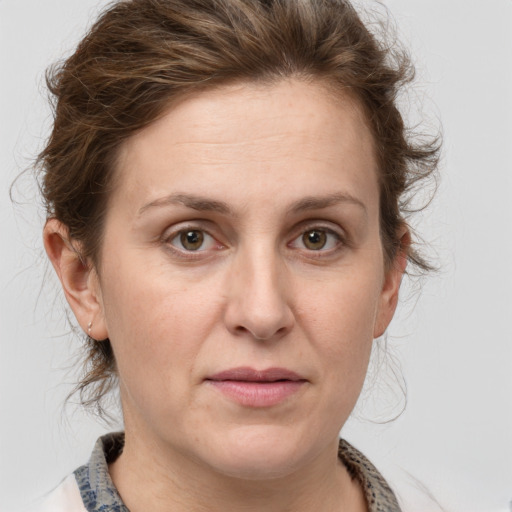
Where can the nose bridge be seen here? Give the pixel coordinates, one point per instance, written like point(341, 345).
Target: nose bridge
point(259, 302)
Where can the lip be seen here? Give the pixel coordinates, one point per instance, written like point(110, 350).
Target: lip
point(257, 388)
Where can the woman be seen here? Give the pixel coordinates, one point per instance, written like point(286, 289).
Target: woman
point(223, 185)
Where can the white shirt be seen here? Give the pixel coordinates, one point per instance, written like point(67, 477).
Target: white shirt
point(64, 498)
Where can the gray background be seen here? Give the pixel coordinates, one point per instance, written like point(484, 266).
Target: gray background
point(452, 341)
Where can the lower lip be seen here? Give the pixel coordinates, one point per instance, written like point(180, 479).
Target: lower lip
point(257, 394)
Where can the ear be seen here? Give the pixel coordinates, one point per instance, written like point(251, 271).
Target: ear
point(78, 278)
point(391, 286)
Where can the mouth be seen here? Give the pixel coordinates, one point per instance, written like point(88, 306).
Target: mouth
point(257, 388)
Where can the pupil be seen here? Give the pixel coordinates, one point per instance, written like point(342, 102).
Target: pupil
point(192, 240)
point(315, 239)
point(192, 237)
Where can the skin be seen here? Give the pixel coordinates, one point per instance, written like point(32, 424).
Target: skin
point(254, 169)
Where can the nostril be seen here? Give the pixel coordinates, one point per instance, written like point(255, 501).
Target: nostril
point(259, 334)
point(261, 315)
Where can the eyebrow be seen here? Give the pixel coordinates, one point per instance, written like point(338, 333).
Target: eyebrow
point(205, 204)
point(319, 203)
point(198, 203)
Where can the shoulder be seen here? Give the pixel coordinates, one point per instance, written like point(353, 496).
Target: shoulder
point(378, 493)
point(64, 498)
point(89, 488)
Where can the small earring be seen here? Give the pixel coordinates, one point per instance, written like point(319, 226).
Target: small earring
point(89, 326)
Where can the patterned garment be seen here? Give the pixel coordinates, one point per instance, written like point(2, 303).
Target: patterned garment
point(96, 487)
point(379, 496)
point(99, 494)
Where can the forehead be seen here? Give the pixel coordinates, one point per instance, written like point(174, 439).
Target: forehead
point(290, 134)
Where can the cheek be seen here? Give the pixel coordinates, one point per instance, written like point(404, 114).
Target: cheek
point(339, 317)
point(156, 324)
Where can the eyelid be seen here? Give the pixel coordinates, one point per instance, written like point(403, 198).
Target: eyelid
point(207, 240)
point(340, 235)
point(175, 231)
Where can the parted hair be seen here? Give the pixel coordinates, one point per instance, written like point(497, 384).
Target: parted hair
point(141, 55)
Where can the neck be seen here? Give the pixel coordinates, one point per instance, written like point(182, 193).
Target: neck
point(167, 480)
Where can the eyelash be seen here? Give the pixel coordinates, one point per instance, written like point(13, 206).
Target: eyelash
point(332, 238)
point(187, 253)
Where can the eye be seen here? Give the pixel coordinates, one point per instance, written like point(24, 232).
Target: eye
point(317, 239)
point(192, 240)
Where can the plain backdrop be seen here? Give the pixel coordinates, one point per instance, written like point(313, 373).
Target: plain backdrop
point(452, 341)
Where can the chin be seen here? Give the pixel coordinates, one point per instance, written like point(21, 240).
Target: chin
point(258, 467)
point(253, 453)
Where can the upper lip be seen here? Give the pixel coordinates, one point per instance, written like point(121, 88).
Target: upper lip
point(247, 374)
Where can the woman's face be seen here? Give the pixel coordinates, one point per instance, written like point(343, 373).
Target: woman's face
point(242, 278)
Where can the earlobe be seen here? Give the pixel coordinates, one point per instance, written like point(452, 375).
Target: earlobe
point(391, 286)
point(78, 279)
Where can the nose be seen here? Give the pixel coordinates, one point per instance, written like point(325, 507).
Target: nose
point(259, 297)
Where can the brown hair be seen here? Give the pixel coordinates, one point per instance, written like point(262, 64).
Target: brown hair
point(140, 55)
